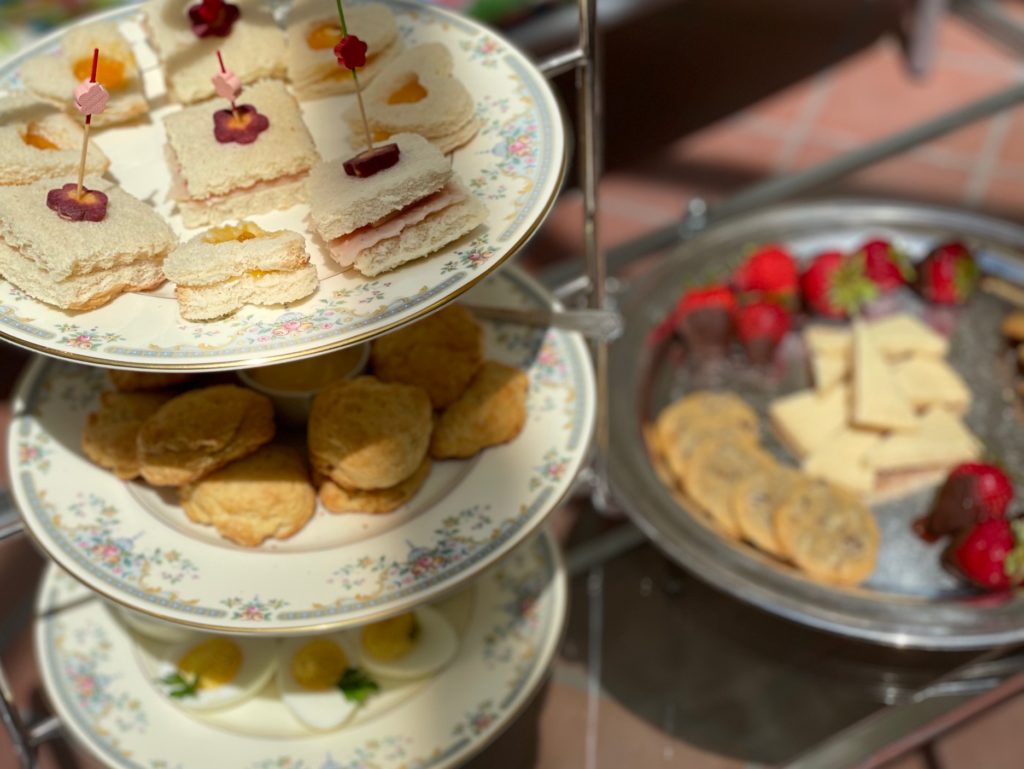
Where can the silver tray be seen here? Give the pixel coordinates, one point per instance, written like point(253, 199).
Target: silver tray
point(909, 601)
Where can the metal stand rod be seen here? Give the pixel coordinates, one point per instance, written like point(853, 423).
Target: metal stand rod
point(24, 750)
point(993, 20)
point(561, 63)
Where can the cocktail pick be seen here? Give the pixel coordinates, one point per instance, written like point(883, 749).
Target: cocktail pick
point(91, 99)
point(351, 54)
point(227, 84)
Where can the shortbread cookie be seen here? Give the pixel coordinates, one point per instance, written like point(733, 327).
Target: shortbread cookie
point(367, 434)
point(201, 431)
point(110, 434)
point(142, 381)
point(754, 501)
point(338, 499)
point(726, 408)
point(440, 353)
point(266, 494)
point(491, 411)
point(714, 471)
point(829, 533)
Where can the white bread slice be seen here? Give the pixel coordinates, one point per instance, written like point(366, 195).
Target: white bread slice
point(263, 288)
point(255, 49)
point(201, 263)
point(259, 199)
point(339, 203)
point(208, 168)
point(929, 381)
point(903, 334)
point(434, 232)
point(22, 115)
point(315, 72)
point(445, 112)
point(53, 78)
point(130, 231)
point(85, 291)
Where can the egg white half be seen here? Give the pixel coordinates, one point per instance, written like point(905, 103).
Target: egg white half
point(257, 667)
point(320, 710)
point(435, 646)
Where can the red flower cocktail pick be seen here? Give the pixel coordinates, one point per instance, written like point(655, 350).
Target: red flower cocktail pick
point(240, 124)
point(73, 201)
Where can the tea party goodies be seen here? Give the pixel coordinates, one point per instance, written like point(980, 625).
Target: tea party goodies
point(314, 31)
point(38, 140)
point(418, 93)
point(186, 34)
point(54, 77)
point(235, 163)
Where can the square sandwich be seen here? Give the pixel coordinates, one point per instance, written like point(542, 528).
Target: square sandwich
point(80, 265)
point(55, 77)
point(214, 181)
point(38, 140)
point(253, 46)
point(402, 213)
point(227, 267)
point(314, 30)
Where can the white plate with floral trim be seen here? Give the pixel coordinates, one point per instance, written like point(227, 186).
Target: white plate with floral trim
point(515, 165)
point(105, 700)
point(137, 547)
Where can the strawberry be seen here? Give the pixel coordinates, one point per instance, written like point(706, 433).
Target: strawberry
point(885, 265)
point(770, 272)
point(704, 317)
point(835, 285)
point(990, 555)
point(973, 492)
point(948, 275)
point(761, 327)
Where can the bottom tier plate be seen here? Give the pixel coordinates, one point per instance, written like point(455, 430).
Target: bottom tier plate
point(95, 677)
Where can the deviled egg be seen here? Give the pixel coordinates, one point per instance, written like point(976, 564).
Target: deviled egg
point(412, 645)
point(320, 680)
point(212, 672)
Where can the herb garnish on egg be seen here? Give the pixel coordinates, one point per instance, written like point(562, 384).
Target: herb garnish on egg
point(356, 685)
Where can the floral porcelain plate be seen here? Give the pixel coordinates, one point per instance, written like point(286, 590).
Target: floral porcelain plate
point(515, 165)
point(135, 545)
point(96, 681)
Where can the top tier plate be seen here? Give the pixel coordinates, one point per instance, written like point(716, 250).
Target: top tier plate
point(515, 165)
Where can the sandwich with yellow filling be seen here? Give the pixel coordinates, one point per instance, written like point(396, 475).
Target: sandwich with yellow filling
point(225, 268)
point(54, 78)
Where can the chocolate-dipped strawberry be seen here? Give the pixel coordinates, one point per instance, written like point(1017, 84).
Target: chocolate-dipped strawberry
point(704, 317)
point(973, 492)
point(761, 327)
point(989, 555)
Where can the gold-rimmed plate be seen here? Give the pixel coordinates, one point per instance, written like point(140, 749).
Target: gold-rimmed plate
point(515, 165)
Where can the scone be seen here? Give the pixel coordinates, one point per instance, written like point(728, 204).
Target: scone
point(338, 499)
point(111, 433)
point(491, 411)
point(201, 431)
point(139, 381)
point(266, 494)
point(440, 353)
point(367, 434)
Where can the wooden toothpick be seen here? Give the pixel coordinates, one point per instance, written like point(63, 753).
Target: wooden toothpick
point(355, 79)
point(88, 125)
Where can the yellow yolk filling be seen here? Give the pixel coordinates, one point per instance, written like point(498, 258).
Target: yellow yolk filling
point(410, 93)
point(33, 138)
point(327, 34)
point(319, 664)
point(238, 232)
point(391, 639)
point(214, 662)
point(109, 72)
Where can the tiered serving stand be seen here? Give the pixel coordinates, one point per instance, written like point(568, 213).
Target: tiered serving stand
point(468, 543)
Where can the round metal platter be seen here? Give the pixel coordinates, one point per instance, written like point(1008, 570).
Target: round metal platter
point(909, 600)
point(515, 165)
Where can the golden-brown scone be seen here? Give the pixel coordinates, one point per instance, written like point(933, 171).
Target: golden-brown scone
point(440, 353)
point(266, 494)
point(136, 381)
point(110, 434)
point(203, 430)
point(367, 434)
point(338, 499)
point(492, 410)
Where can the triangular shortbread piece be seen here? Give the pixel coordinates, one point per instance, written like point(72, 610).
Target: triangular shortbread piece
point(878, 403)
point(828, 340)
point(805, 419)
point(903, 334)
point(941, 440)
point(842, 459)
point(928, 381)
point(828, 371)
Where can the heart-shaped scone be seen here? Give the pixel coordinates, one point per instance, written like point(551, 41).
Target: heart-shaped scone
point(417, 93)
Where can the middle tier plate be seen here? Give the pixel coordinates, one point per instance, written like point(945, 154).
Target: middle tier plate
point(135, 546)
